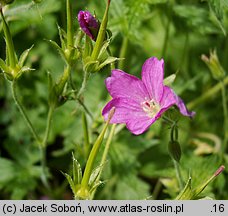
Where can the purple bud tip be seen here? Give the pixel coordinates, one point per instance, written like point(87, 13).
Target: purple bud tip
point(111, 113)
point(219, 170)
point(88, 23)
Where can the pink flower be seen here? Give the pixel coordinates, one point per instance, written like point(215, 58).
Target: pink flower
point(139, 103)
point(88, 24)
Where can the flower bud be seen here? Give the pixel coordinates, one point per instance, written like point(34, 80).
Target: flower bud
point(175, 150)
point(89, 24)
point(214, 65)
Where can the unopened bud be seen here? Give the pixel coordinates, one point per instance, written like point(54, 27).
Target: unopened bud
point(219, 170)
point(214, 65)
point(89, 24)
point(175, 150)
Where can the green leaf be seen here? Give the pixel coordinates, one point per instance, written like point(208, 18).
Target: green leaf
point(192, 18)
point(7, 171)
point(62, 36)
point(217, 8)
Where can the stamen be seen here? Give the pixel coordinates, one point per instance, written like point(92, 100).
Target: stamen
point(150, 107)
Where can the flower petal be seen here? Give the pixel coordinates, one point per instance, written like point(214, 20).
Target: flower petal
point(183, 109)
point(152, 77)
point(126, 109)
point(140, 125)
point(128, 112)
point(169, 99)
point(121, 84)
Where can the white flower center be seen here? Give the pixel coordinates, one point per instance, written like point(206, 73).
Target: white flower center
point(150, 107)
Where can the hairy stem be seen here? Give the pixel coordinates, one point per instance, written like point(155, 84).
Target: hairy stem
point(86, 135)
point(48, 126)
point(106, 150)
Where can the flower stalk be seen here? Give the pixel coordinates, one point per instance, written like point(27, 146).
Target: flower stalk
point(178, 174)
point(105, 153)
point(83, 192)
point(69, 25)
point(86, 135)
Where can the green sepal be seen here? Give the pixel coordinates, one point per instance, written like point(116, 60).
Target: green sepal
point(71, 182)
point(88, 47)
point(77, 171)
point(108, 61)
point(22, 70)
point(169, 80)
point(95, 186)
point(4, 67)
point(95, 66)
point(59, 49)
point(95, 174)
point(103, 52)
point(62, 37)
point(24, 56)
point(186, 193)
point(89, 65)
